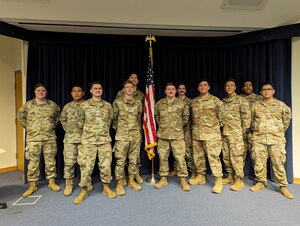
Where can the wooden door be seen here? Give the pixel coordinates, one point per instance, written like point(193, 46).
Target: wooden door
point(19, 128)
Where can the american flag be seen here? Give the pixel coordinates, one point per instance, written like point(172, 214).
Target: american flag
point(148, 120)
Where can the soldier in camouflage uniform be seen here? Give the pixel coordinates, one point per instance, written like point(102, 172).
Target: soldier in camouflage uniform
point(127, 123)
point(70, 118)
point(236, 119)
point(207, 142)
point(171, 115)
point(95, 141)
point(181, 90)
point(138, 95)
point(247, 93)
point(39, 117)
point(270, 119)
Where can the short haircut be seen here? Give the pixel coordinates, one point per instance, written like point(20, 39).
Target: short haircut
point(39, 85)
point(203, 80)
point(77, 86)
point(267, 83)
point(181, 84)
point(127, 82)
point(230, 80)
point(247, 80)
point(95, 83)
point(170, 84)
point(133, 73)
point(243, 83)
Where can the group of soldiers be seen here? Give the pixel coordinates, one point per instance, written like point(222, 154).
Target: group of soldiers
point(194, 130)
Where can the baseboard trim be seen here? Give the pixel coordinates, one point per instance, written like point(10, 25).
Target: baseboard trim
point(8, 169)
point(296, 180)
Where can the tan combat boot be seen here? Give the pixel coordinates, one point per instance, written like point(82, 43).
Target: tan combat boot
point(32, 188)
point(184, 184)
point(161, 183)
point(199, 179)
point(257, 187)
point(132, 184)
point(193, 176)
point(286, 193)
point(238, 185)
point(120, 188)
point(82, 196)
point(69, 187)
point(218, 187)
point(124, 181)
point(173, 173)
point(109, 193)
point(138, 178)
point(90, 187)
point(193, 180)
point(229, 179)
point(53, 186)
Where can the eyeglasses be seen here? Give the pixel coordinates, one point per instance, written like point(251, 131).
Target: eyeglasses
point(269, 89)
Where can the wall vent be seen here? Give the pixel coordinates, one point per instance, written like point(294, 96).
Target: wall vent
point(244, 4)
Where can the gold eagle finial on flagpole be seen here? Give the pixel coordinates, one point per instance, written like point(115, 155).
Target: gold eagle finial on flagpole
point(150, 39)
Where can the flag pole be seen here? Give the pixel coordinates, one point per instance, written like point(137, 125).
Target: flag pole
point(152, 179)
point(150, 147)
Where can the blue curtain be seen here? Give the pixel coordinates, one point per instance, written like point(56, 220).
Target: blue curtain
point(61, 63)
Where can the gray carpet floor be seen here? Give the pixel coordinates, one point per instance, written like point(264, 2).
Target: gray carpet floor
point(167, 206)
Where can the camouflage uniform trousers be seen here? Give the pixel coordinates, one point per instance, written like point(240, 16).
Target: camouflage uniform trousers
point(247, 144)
point(248, 161)
point(188, 153)
point(70, 159)
point(138, 162)
point(33, 153)
point(233, 151)
point(178, 148)
point(260, 155)
point(124, 149)
point(86, 159)
point(211, 150)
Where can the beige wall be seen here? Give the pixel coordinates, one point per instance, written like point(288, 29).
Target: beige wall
point(295, 104)
point(10, 61)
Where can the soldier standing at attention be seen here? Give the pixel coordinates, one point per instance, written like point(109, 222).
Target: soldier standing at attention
point(236, 119)
point(270, 119)
point(70, 119)
point(39, 117)
point(171, 115)
point(95, 141)
point(181, 91)
point(207, 141)
point(247, 93)
point(127, 123)
point(138, 95)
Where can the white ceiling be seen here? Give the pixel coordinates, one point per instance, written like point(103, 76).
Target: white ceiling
point(157, 17)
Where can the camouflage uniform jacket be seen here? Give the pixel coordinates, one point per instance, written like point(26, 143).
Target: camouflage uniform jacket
point(138, 95)
point(270, 121)
point(96, 121)
point(127, 119)
point(71, 120)
point(39, 120)
point(171, 118)
point(235, 116)
point(252, 98)
point(206, 117)
point(188, 126)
